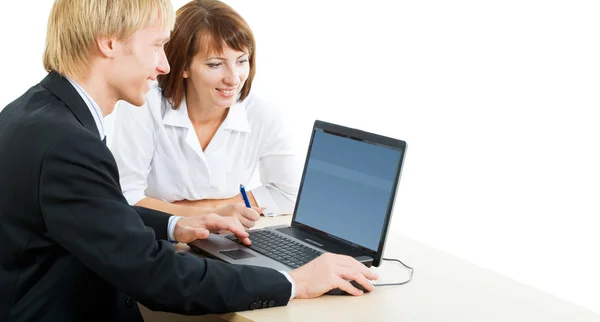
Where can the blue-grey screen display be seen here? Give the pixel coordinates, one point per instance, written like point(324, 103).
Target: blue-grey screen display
point(347, 187)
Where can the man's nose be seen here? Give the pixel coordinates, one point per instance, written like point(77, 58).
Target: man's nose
point(163, 64)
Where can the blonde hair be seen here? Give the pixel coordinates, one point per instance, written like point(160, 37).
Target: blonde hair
point(74, 25)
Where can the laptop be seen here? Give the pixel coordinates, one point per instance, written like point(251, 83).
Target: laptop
point(344, 204)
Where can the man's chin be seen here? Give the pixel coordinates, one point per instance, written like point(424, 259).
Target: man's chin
point(137, 101)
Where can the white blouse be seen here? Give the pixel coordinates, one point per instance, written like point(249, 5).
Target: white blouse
point(159, 155)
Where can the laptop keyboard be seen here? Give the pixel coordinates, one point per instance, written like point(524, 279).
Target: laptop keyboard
point(284, 250)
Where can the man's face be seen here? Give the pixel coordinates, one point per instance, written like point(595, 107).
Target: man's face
point(138, 62)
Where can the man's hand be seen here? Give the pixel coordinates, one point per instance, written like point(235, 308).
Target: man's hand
point(330, 271)
point(247, 216)
point(189, 229)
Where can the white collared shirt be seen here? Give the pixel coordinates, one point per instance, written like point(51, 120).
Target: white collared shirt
point(92, 106)
point(159, 155)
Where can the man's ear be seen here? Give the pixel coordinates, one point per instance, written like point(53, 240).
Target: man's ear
point(107, 46)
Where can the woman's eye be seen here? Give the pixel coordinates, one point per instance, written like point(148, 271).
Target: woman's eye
point(214, 65)
point(243, 61)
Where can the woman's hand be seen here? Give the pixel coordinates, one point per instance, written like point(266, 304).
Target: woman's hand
point(246, 216)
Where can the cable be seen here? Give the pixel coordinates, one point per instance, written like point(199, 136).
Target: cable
point(400, 283)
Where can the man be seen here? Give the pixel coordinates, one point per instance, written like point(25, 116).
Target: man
point(72, 249)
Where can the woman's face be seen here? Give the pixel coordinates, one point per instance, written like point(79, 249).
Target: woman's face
point(217, 79)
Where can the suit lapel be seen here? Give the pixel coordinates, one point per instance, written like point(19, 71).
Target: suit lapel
point(62, 88)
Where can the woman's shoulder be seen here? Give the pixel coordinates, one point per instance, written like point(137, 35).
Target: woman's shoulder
point(261, 112)
point(268, 124)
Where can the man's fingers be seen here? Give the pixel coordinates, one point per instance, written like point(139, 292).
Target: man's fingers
point(190, 234)
point(231, 224)
point(351, 263)
point(360, 279)
point(215, 222)
point(371, 275)
point(349, 288)
point(246, 241)
point(365, 271)
point(201, 233)
point(238, 230)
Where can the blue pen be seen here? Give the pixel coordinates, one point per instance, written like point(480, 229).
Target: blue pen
point(245, 196)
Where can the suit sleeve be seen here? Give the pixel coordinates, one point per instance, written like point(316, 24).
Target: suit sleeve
point(157, 220)
point(86, 214)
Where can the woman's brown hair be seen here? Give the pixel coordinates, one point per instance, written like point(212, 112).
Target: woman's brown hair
point(207, 25)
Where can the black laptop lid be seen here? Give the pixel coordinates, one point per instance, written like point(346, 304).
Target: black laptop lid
point(348, 186)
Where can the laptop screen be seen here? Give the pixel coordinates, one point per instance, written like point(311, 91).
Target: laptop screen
point(347, 186)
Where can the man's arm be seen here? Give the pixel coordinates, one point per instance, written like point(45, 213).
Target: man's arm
point(86, 213)
point(156, 220)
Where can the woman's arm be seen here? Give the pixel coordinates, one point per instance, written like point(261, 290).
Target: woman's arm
point(280, 167)
point(247, 216)
point(214, 203)
point(175, 208)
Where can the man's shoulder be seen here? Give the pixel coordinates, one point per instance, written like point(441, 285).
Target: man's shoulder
point(39, 104)
point(37, 118)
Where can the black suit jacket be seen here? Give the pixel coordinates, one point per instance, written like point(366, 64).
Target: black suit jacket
point(72, 249)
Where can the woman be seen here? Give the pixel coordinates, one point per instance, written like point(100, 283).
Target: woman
point(203, 133)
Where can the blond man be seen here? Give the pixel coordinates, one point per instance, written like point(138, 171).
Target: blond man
point(72, 248)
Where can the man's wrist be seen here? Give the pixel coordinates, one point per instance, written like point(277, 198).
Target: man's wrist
point(287, 275)
point(171, 227)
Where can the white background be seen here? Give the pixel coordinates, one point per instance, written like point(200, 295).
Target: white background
point(498, 101)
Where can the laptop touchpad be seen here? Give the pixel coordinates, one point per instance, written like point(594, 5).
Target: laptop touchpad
point(236, 254)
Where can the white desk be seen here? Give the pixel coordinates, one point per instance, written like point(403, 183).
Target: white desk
point(444, 288)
